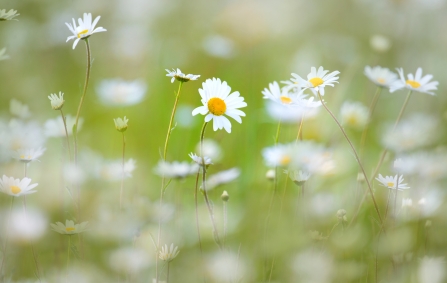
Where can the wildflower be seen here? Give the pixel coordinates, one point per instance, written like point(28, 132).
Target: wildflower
point(431, 270)
point(270, 174)
point(415, 82)
point(27, 155)
point(178, 75)
point(113, 170)
point(199, 160)
point(217, 101)
point(19, 109)
point(57, 101)
point(16, 187)
point(407, 202)
point(129, 260)
point(392, 183)
point(341, 215)
point(278, 155)
point(26, 226)
point(317, 80)
point(275, 94)
point(168, 254)
point(118, 92)
point(70, 228)
point(354, 114)
point(8, 16)
point(19, 134)
point(176, 170)
point(85, 29)
point(55, 127)
point(3, 55)
point(219, 46)
point(210, 148)
point(121, 124)
point(382, 77)
point(297, 176)
point(379, 43)
point(225, 197)
point(222, 177)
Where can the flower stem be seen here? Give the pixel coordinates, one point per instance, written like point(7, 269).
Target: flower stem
point(174, 109)
point(122, 177)
point(167, 275)
point(225, 216)
point(31, 242)
point(66, 135)
point(197, 211)
point(6, 237)
point(68, 251)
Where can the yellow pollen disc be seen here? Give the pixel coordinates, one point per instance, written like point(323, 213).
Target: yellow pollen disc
point(22, 156)
point(352, 120)
point(413, 84)
point(217, 106)
point(15, 190)
point(390, 184)
point(82, 32)
point(381, 81)
point(69, 229)
point(285, 100)
point(285, 160)
point(316, 81)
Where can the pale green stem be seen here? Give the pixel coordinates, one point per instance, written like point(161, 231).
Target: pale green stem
point(225, 217)
point(197, 211)
point(122, 177)
point(68, 251)
point(66, 135)
point(167, 275)
point(6, 237)
point(174, 109)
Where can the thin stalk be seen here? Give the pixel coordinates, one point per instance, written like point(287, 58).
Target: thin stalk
point(31, 242)
point(174, 109)
point(167, 275)
point(356, 157)
point(122, 177)
point(6, 236)
point(197, 211)
point(225, 217)
point(68, 251)
point(66, 134)
point(299, 136)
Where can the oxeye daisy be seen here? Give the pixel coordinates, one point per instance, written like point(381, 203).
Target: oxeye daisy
point(29, 154)
point(178, 75)
point(69, 228)
point(278, 155)
point(7, 16)
point(222, 177)
point(57, 101)
point(121, 124)
point(316, 80)
point(198, 159)
point(415, 82)
point(217, 102)
point(16, 187)
point(85, 29)
point(118, 92)
point(382, 77)
point(168, 254)
point(391, 182)
point(281, 96)
point(354, 114)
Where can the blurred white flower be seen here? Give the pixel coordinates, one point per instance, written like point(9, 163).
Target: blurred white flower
point(19, 134)
point(382, 77)
point(55, 127)
point(8, 16)
point(74, 174)
point(313, 266)
point(218, 46)
point(297, 176)
point(199, 160)
point(28, 154)
point(57, 101)
point(178, 75)
point(69, 228)
point(211, 149)
point(290, 113)
point(85, 29)
point(168, 254)
point(317, 80)
point(16, 187)
point(270, 174)
point(278, 155)
point(430, 166)
point(176, 169)
point(431, 270)
point(379, 43)
point(24, 227)
point(391, 182)
point(113, 170)
point(415, 82)
point(129, 260)
point(430, 202)
point(19, 109)
point(118, 92)
point(225, 266)
point(121, 124)
point(407, 202)
point(3, 55)
point(221, 178)
point(354, 114)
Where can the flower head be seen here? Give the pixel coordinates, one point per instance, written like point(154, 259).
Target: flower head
point(168, 254)
point(354, 114)
point(121, 124)
point(85, 29)
point(299, 177)
point(198, 159)
point(391, 182)
point(382, 77)
point(7, 16)
point(178, 75)
point(415, 82)
point(70, 228)
point(316, 80)
point(57, 101)
point(222, 177)
point(118, 92)
point(16, 187)
point(217, 102)
point(3, 55)
point(29, 154)
point(176, 170)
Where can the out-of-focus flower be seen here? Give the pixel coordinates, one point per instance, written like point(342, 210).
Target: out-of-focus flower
point(176, 170)
point(297, 176)
point(217, 102)
point(57, 101)
point(218, 46)
point(199, 160)
point(129, 260)
point(16, 187)
point(24, 227)
point(19, 109)
point(55, 127)
point(431, 270)
point(221, 178)
point(407, 202)
point(313, 266)
point(178, 75)
point(341, 215)
point(211, 149)
point(118, 92)
point(225, 266)
point(168, 254)
point(270, 174)
point(8, 16)
point(317, 80)
point(113, 170)
point(3, 55)
point(354, 114)
point(379, 43)
point(28, 154)
point(281, 96)
point(430, 166)
point(391, 182)
point(19, 134)
point(85, 29)
point(278, 155)
point(70, 228)
point(74, 174)
point(415, 82)
point(382, 77)
point(121, 124)
point(225, 196)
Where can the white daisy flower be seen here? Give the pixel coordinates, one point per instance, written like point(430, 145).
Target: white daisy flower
point(168, 254)
point(281, 96)
point(113, 170)
point(221, 178)
point(176, 170)
point(391, 182)
point(28, 154)
point(118, 92)
point(16, 187)
point(178, 75)
point(3, 55)
point(57, 101)
point(317, 80)
point(19, 109)
point(26, 226)
point(7, 16)
point(354, 114)
point(299, 177)
point(415, 82)
point(21, 134)
point(431, 270)
point(121, 124)
point(382, 77)
point(278, 155)
point(85, 29)
point(217, 101)
point(130, 260)
point(198, 159)
point(70, 228)
point(55, 127)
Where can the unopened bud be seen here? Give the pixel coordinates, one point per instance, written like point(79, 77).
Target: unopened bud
point(341, 215)
point(270, 175)
point(225, 197)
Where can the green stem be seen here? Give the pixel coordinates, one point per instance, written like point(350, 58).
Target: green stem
point(122, 177)
point(66, 135)
point(30, 241)
point(174, 109)
point(68, 251)
point(6, 237)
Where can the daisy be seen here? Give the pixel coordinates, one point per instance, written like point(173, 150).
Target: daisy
point(210, 148)
point(415, 82)
point(55, 127)
point(85, 29)
point(19, 109)
point(57, 101)
point(70, 228)
point(7, 16)
point(217, 101)
point(118, 92)
point(222, 177)
point(29, 154)
point(121, 124)
point(176, 170)
point(178, 75)
point(281, 96)
point(298, 177)
point(382, 77)
point(278, 155)
point(168, 254)
point(113, 170)
point(3, 55)
point(392, 183)
point(354, 114)
point(16, 187)
point(317, 80)
point(198, 159)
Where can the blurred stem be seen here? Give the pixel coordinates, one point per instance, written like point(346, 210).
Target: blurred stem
point(68, 251)
point(171, 121)
point(5, 245)
point(225, 216)
point(356, 157)
point(30, 241)
point(372, 106)
point(66, 134)
point(197, 211)
point(299, 136)
point(122, 177)
point(167, 275)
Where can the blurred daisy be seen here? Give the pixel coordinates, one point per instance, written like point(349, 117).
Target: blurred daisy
point(379, 43)
point(168, 254)
point(317, 80)
point(3, 55)
point(113, 170)
point(24, 227)
point(70, 228)
point(131, 260)
point(354, 114)
point(121, 124)
point(199, 160)
point(281, 96)
point(19, 134)
point(28, 154)
point(55, 127)
point(222, 177)
point(297, 176)
point(217, 101)
point(85, 29)
point(7, 16)
point(178, 75)
point(415, 82)
point(218, 46)
point(16, 187)
point(57, 101)
point(19, 109)
point(431, 270)
point(118, 92)
point(278, 155)
point(211, 149)
point(391, 182)
point(176, 170)
point(382, 77)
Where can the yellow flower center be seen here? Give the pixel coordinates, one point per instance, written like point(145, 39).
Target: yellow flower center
point(352, 120)
point(217, 106)
point(69, 229)
point(316, 81)
point(285, 100)
point(25, 157)
point(285, 160)
point(15, 190)
point(381, 80)
point(390, 184)
point(82, 32)
point(413, 84)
